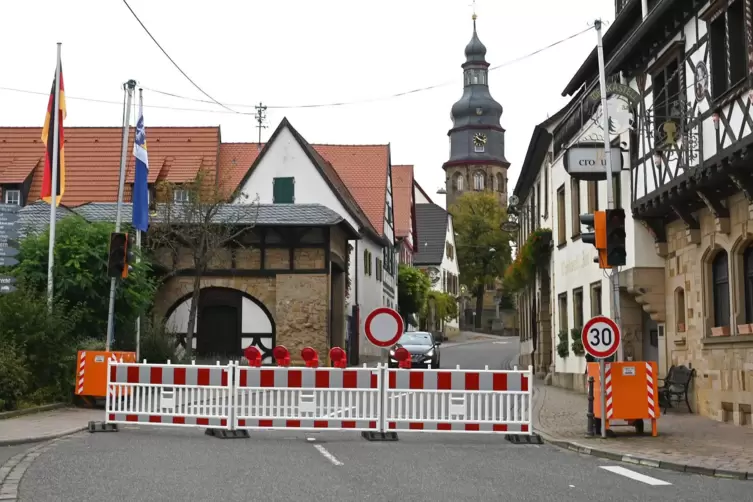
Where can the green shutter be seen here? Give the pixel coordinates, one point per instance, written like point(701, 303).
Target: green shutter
point(283, 190)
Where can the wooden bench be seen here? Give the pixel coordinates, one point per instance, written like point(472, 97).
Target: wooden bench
point(675, 387)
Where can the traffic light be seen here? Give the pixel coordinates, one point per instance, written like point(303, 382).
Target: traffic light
point(130, 256)
point(615, 224)
point(116, 256)
point(596, 221)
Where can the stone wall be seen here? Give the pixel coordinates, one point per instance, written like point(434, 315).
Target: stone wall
point(724, 365)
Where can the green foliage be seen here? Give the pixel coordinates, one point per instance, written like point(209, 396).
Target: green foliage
point(14, 375)
point(577, 345)
point(47, 341)
point(533, 254)
point(445, 306)
point(157, 343)
point(412, 288)
point(563, 346)
point(477, 218)
point(81, 280)
point(506, 300)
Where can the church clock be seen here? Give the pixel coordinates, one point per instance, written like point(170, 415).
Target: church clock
point(479, 139)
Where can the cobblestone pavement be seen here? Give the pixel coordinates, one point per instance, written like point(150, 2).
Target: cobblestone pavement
point(46, 425)
point(685, 442)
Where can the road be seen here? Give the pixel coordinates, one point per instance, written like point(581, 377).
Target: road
point(149, 464)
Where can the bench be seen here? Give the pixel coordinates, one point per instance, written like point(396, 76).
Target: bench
point(675, 387)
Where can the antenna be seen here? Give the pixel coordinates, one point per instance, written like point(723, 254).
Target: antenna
point(261, 117)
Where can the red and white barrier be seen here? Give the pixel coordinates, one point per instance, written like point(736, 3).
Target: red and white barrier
point(458, 401)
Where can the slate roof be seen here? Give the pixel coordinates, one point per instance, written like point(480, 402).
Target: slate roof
point(37, 215)
point(432, 231)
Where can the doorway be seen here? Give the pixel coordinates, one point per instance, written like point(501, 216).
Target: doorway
point(218, 331)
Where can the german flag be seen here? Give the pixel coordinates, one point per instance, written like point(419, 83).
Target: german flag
point(53, 123)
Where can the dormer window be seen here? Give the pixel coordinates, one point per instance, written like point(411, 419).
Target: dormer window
point(180, 196)
point(12, 197)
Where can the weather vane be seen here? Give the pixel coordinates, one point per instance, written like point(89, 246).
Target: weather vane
point(473, 5)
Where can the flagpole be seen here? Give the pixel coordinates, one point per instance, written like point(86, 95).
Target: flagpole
point(138, 319)
point(53, 190)
point(128, 87)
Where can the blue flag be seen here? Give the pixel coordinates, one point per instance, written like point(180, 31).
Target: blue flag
point(140, 185)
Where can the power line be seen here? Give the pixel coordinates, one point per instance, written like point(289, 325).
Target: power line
point(172, 60)
point(254, 114)
point(388, 97)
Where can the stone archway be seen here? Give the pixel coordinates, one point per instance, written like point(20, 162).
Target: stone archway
point(228, 321)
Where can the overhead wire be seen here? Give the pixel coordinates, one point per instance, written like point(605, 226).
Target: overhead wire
point(228, 110)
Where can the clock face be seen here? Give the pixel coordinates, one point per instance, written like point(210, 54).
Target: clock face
point(479, 139)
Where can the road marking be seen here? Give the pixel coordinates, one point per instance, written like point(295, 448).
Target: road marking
point(501, 343)
point(637, 476)
point(327, 454)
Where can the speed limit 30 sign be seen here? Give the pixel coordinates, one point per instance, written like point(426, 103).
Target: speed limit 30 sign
point(600, 337)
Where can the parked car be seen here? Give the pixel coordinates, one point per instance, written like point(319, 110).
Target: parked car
point(423, 348)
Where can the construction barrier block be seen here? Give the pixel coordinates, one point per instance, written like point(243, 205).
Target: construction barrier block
point(102, 427)
point(227, 434)
point(379, 436)
point(524, 439)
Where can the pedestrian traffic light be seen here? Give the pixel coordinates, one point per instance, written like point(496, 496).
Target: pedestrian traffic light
point(597, 222)
point(116, 256)
point(130, 256)
point(615, 223)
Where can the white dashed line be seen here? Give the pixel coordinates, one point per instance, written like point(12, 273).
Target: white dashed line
point(327, 454)
point(637, 476)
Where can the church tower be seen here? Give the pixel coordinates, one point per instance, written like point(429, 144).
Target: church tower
point(477, 139)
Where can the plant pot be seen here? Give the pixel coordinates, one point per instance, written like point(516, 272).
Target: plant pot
point(720, 331)
point(681, 327)
point(745, 329)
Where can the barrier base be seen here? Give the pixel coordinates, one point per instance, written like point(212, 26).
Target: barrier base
point(524, 439)
point(226, 434)
point(102, 427)
point(379, 436)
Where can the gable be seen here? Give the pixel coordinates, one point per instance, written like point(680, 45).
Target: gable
point(402, 194)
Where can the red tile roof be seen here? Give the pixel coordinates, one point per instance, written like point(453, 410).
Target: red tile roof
point(402, 193)
point(16, 169)
point(92, 158)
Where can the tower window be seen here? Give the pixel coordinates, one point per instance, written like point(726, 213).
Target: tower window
point(478, 148)
point(475, 76)
point(459, 182)
point(478, 180)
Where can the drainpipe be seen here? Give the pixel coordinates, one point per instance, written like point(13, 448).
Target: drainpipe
point(644, 8)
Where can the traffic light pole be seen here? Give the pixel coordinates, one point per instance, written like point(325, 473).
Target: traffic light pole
point(128, 87)
point(614, 277)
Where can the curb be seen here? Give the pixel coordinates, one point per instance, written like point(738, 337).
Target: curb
point(30, 411)
point(637, 460)
point(41, 439)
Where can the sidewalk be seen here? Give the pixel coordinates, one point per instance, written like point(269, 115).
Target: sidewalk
point(46, 425)
point(686, 442)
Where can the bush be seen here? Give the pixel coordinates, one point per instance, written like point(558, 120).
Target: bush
point(47, 341)
point(158, 345)
point(14, 375)
point(563, 347)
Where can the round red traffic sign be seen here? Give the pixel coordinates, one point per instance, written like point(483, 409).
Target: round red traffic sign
point(600, 337)
point(383, 327)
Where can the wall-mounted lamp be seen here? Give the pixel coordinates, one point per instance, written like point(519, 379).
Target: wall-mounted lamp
point(715, 118)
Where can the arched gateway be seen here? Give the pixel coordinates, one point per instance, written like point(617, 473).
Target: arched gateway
point(228, 321)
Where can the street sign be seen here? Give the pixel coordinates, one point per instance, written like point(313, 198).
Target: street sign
point(7, 280)
point(588, 161)
point(601, 337)
point(7, 261)
point(6, 288)
point(383, 327)
point(8, 218)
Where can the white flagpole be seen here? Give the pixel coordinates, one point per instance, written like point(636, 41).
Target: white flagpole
point(53, 190)
point(138, 320)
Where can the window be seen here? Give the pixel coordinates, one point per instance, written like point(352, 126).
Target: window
point(283, 190)
point(459, 182)
point(561, 236)
point(500, 182)
point(748, 275)
point(379, 272)
point(180, 196)
point(562, 314)
point(546, 184)
point(596, 299)
point(680, 309)
point(720, 288)
point(366, 262)
point(450, 250)
point(593, 196)
point(575, 206)
point(13, 197)
point(578, 308)
point(478, 148)
point(728, 48)
point(537, 203)
point(388, 212)
point(478, 180)
point(668, 87)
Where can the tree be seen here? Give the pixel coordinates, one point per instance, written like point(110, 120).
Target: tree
point(80, 276)
point(483, 249)
point(442, 306)
point(201, 224)
point(412, 287)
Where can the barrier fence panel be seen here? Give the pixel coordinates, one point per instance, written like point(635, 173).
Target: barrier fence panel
point(307, 398)
point(472, 401)
point(169, 395)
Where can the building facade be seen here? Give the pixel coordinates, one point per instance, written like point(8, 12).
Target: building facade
point(406, 234)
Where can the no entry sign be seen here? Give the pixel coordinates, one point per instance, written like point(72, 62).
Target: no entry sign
point(601, 337)
point(384, 327)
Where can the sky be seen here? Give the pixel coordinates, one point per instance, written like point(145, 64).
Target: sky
point(287, 53)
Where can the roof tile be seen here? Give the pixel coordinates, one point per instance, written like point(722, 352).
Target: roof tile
point(18, 169)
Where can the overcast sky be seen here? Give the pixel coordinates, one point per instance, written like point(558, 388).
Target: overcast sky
point(298, 52)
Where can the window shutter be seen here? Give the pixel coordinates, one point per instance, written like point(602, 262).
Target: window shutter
point(283, 190)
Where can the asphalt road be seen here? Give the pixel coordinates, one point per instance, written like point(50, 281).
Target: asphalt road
point(150, 464)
